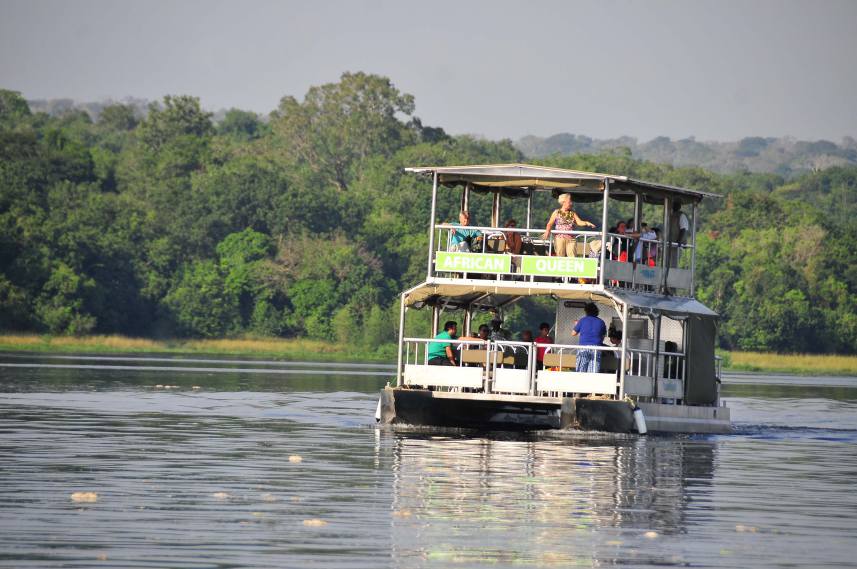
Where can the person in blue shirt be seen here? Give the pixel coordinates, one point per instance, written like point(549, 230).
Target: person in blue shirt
point(591, 330)
point(462, 240)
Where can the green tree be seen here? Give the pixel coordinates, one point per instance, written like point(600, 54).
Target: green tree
point(241, 125)
point(338, 126)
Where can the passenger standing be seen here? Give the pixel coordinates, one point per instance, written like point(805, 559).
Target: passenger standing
point(620, 244)
point(564, 219)
point(514, 243)
point(679, 230)
point(591, 330)
point(652, 260)
point(645, 238)
point(543, 340)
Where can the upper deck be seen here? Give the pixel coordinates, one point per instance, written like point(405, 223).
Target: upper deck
point(526, 259)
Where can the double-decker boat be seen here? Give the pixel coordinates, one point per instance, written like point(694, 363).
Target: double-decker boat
point(659, 374)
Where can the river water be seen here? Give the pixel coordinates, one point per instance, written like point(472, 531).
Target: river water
point(203, 463)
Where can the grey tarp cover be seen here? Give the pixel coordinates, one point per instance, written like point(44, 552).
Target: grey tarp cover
point(701, 385)
point(585, 186)
point(669, 305)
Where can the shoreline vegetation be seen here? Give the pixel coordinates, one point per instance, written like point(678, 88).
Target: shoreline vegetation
point(321, 350)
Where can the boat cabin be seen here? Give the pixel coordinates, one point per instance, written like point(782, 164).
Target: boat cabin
point(638, 273)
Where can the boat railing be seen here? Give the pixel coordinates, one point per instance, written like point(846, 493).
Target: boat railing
point(658, 375)
point(629, 262)
point(718, 374)
point(511, 367)
point(506, 366)
point(560, 375)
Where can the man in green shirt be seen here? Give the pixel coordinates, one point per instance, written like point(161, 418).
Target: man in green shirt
point(441, 353)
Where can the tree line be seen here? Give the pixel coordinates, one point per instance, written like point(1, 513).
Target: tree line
point(305, 225)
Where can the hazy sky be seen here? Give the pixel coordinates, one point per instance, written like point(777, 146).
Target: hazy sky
point(716, 70)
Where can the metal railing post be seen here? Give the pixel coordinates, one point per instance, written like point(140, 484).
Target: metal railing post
point(430, 271)
point(665, 243)
point(495, 209)
point(624, 351)
point(529, 208)
point(656, 356)
point(638, 210)
point(693, 250)
point(399, 370)
point(603, 233)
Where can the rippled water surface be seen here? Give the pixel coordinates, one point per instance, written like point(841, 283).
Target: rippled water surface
point(224, 463)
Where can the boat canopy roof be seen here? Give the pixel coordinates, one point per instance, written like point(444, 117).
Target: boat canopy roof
point(515, 177)
point(672, 305)
point(462, 294)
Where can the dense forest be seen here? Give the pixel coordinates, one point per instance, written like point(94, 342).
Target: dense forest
point(172, 224)
point(784, 156)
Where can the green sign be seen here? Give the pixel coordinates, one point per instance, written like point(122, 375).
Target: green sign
point(472, 262)
point(580, 267)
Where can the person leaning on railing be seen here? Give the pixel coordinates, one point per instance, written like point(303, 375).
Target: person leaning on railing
point(441, 353)
point(461, 240)
point(564, 219)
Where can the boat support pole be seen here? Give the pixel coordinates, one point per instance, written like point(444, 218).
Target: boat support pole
point(431, 226)
point(665, 245)
point(529, 208)
point(624, 350)
point(638, 210)
point(694, 212)
point(656, 356)
point(468, 320)
point(399, 370)
point(603, 232)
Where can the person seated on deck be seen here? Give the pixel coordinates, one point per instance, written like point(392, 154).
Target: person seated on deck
point(461, 240)
point(564, 219)
point(591, 330)
point(672, 368)
point(514, 243)
point(610, 360)
point(543, 341)
point(484, 332)
point(522, 356)
point(497, 332)
point(441, 353)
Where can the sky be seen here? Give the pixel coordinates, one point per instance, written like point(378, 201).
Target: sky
point(718, 70)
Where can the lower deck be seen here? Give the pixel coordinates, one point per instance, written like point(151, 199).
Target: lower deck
point(527, 412)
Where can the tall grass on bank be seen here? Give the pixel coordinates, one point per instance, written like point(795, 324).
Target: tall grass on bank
point(805, 364)
point(292, 348)
point(303, 348)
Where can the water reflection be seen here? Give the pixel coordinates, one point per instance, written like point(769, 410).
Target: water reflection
point(203, 478)
point(542, 500)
